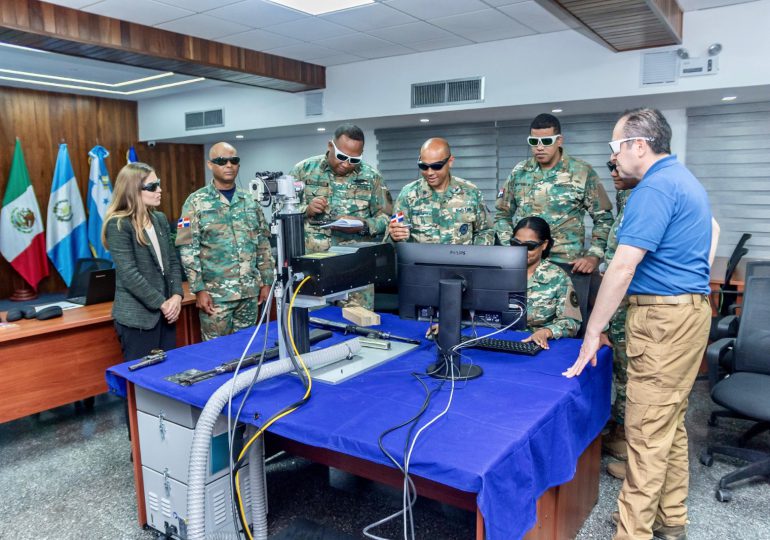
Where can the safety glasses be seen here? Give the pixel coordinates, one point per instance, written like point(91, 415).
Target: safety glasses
point(222, 161)
point(437, 166)
point(531, 245)
point(545, 141)
point(152, 186)
point(615, 145)
point(612, 166)
point(342, 156)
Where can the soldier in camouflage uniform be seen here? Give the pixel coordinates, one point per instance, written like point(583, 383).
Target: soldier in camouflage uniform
point(224, 242)
point(615, 442)
point(338, 185)
point(441, 208)
point(560, 189)
point(553, 311)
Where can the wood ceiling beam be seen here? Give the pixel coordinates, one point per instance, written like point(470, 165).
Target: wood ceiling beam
point(54, 28)
point(622, 25)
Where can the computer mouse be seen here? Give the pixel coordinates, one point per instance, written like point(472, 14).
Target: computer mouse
point(29, 312)
point(49, 313)
point(13, 315)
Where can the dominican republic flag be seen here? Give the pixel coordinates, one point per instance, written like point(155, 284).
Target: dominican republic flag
point(21, 225)
point(183, 223)
point(99, 197)
point(398, 217)
point(66, 236)
point(131, 156)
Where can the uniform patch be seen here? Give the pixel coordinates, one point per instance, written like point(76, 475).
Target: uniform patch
point(573, 299)
point(463, 228)
point(183, 232)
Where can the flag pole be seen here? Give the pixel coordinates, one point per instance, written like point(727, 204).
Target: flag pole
point(22, 292)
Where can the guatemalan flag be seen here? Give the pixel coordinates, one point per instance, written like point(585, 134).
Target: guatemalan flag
point(99, 197)
point(66, 236)
point(22, 242)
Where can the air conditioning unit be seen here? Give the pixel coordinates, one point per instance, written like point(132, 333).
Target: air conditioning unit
point(693, 67)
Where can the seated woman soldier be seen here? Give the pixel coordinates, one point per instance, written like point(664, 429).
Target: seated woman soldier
point(552, 306)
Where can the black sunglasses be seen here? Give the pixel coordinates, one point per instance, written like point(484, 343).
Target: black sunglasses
point(222, 161)
point(612, 166)
point(437, 166)
point(531, 245)
point(152, 186)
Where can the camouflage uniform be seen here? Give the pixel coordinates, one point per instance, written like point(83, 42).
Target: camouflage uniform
point(360, 194)
point(225, 251)
point(552, 302)
point(617, 329)
point(455, 216)
point(561, 195)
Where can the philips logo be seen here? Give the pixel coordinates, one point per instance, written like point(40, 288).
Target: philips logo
point(457, 252)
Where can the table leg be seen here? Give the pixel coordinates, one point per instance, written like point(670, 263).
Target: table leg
point(136, 454)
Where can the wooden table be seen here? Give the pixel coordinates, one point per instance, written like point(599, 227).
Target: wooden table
point(46, 364)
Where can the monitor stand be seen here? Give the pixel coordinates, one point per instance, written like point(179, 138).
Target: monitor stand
point(448, 364)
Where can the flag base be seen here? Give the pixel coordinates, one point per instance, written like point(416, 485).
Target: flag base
point(22, 292)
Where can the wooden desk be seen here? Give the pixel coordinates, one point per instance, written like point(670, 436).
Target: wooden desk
point(719, 268)
point(45, 364)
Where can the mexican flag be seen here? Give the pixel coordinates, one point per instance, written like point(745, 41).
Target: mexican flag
point(22, 241)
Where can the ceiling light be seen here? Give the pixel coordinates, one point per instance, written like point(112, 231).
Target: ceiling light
point(682, 53)
point(424, 120)
point(729, 98)
point(86, 81)
point(103, 90)
point(556, 110)
point(321, 129)
point(314, 7)
point(239, 136)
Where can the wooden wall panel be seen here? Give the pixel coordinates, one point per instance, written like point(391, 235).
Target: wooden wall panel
point(44, 119)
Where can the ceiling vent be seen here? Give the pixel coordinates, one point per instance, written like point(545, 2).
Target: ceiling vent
point(204, 119)
point(659, 68)
point(314, 104)
point(428, 94)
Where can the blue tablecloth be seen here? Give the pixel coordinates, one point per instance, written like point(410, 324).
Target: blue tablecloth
point(509, 436)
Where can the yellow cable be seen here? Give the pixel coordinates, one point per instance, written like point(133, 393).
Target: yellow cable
point(271, 421)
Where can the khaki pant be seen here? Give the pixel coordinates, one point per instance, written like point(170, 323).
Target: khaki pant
point(665, 344)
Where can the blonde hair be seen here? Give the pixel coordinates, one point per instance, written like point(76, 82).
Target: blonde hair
point(127, 200)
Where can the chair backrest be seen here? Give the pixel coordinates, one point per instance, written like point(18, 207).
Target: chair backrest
point(752, 346)
point(83, 269)
point(582, 285)
point(757, 269)
point(736, 257)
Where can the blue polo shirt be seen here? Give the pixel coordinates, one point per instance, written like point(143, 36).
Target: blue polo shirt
point(668, 214)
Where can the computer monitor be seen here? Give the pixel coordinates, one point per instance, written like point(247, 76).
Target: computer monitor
point(450, 282)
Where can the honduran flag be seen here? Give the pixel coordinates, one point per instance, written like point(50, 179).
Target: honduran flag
point(21, 225)
point(131, 156)
point(99, 197)
point(66, 236)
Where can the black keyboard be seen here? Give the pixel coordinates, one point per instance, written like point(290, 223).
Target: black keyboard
point(528, 348)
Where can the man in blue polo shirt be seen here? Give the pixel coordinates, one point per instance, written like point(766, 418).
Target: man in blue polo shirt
point(662, 261)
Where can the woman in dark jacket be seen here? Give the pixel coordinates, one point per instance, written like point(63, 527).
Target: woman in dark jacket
point(148, 292)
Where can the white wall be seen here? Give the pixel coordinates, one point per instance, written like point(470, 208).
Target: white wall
point(550, 68)
point(282, 153)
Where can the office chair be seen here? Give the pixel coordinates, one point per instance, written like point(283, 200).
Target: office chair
point(727, 289)
point(743, 391)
